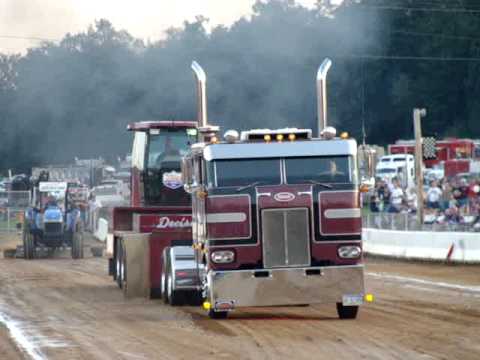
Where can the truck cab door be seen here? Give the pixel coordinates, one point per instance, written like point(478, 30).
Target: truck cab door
point(198, 210)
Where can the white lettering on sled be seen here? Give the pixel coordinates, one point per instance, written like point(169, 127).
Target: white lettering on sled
point(166, 223)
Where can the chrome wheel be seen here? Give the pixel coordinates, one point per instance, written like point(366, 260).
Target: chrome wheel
point(122, 269)
point(117, 265)
point(169, 287)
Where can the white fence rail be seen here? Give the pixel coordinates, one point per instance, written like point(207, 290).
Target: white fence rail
point(408, 222)
point(102, 230)
point(460, 247)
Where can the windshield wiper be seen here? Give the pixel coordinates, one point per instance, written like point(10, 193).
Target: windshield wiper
point(319, 183)
point(248, 186)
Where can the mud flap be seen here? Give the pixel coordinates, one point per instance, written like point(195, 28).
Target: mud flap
point(137, 265)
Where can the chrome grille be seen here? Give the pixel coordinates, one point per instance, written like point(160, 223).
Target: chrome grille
point(286, 237)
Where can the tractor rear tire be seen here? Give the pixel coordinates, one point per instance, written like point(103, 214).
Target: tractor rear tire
point(28, 245)
point(77, 245)
point(346, 312)
point(174, 297)
point(165, 267)
point(119, 264)
point(114, 259)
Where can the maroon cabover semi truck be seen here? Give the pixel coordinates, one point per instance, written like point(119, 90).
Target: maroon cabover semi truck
point(262, 218)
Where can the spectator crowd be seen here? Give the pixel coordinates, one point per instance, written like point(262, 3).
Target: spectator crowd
point(451, 201)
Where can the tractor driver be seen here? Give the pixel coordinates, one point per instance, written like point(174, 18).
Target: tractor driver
point(169, 151)
point(51, 202)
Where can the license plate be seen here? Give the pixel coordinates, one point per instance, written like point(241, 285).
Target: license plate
point(352, 300)
point(224, 305)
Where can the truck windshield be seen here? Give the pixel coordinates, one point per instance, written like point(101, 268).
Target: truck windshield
point(243, 172)
point(169, 145)
point(298, 170)
point(322, 169)
point(162, 179)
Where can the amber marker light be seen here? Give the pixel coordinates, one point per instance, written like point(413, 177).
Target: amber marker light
point(202, 194)
point(291, 137)
point(267, 138)
point(369, 298)
point(344, 135)
point(364, 188)
point(207, 305)
point(279, 137)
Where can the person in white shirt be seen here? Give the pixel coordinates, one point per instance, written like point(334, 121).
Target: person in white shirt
point(412, 200)
point(396, 197)
point(434, 195)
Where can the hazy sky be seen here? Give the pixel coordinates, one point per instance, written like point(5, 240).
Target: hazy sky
point(145, 19)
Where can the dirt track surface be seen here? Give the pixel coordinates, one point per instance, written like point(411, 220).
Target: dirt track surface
point(67, 309)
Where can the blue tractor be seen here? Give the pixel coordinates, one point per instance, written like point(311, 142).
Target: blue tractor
point(52, 221)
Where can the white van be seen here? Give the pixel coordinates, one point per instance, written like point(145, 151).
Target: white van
point(401, 166)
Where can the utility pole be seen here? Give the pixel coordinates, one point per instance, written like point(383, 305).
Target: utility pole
point(364, 134)
point(417, 126)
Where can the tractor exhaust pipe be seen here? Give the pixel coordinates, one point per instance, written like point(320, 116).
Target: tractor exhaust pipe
point(201, 95)
point(322, 94)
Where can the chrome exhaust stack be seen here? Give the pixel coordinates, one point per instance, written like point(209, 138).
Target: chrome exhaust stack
point(208, 131)
point(322, 95)
point(201, 94)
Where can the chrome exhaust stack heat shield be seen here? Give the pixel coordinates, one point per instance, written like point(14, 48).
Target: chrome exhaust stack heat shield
point(322, 95)
point(207, 131)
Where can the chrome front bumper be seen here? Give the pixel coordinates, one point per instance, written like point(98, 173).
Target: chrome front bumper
point(286, 286)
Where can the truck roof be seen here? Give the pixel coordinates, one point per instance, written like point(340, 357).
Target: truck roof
point(245, 150)
point(147, 125)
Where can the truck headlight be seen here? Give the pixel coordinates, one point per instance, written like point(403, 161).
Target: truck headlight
point(222, 256)
point(349, 252)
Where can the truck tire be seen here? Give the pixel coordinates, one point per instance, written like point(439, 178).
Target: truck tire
point(28, 245)
point(119, 264)
point(212, 314)
point(77, 245)
point(24, 242)
point(114, 259)
point(193, 298)
point(163, 282)
point(174, 297)
point(346, 312)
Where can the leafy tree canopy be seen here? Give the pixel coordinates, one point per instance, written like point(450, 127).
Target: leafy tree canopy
point(74, 98)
